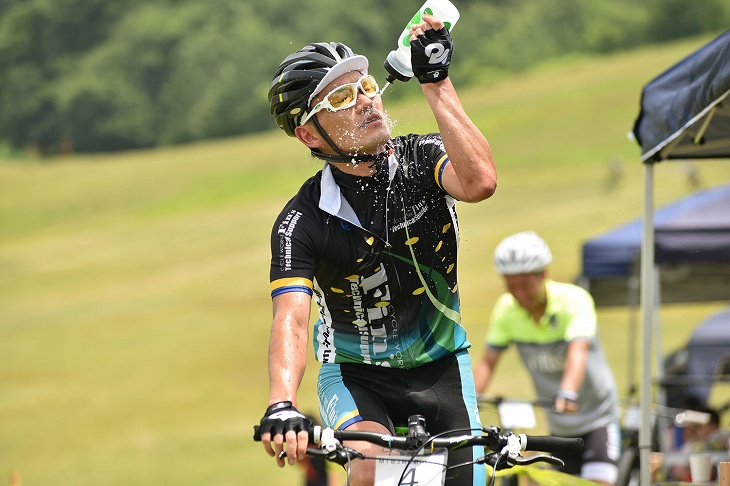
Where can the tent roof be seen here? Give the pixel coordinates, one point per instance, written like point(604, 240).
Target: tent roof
point(696, 227)
point(698, 233)
point(685, 111)
point(713, 331)
point(692, 246)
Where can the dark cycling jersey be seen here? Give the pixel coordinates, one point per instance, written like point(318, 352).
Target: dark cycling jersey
point(385, 281)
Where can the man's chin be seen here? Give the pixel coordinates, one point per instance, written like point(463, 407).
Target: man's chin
point(526, 305)
point(372, 148)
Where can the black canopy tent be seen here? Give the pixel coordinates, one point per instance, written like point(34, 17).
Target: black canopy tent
point(692, 249)
point(692, 252)
point(683, 110)
point(684, 114)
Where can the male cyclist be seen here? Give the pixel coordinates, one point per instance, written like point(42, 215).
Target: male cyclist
point(373, 237)
point(553, 325)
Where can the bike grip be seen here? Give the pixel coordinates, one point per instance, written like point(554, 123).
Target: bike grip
point(314, 432)
point(548, 443)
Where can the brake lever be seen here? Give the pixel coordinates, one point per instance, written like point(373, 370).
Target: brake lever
point(526, 461)
point(317, 452)
point(496, 461)
point(342, 455)
point(504, 461)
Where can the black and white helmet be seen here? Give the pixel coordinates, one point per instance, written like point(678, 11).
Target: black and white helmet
point(523, 252)
point(302, 75)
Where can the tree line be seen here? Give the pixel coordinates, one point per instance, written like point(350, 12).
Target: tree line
point(96, 75)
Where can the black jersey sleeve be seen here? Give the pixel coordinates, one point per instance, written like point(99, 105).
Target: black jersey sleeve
point(293, 251)
point(426, 158)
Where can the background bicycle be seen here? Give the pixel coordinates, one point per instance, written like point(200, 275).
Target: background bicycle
point(693, 377)
point(512, 414)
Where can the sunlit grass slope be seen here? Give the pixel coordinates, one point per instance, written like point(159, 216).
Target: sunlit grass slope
point(134, 302)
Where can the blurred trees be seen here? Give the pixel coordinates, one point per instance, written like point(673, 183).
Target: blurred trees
point(93, 75)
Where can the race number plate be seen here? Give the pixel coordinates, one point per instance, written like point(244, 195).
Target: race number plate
point(428, 470)
point(517, 415)
point(632, 418)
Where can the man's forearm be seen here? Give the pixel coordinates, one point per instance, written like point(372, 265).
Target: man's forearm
point(468, 149)
point(575, 366)
point(287, 362)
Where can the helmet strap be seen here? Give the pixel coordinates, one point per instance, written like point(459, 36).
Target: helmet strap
point(340, 157)
point(326, 138)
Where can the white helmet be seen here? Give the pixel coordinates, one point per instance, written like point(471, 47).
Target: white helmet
point(523, 252)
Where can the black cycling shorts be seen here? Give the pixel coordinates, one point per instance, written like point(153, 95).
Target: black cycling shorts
point(442, 391)
point(598, 461)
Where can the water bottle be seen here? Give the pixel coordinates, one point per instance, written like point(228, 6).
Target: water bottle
point(398, 61)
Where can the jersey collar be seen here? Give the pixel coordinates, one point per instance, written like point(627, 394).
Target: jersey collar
point(333, 202)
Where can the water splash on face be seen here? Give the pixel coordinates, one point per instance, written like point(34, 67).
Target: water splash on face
point(345, 137)
point(389, 122)
point(358, 137)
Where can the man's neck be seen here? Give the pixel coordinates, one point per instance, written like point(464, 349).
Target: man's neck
point(538, 311)
point(362, 169)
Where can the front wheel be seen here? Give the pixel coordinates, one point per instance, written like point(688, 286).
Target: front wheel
point(628, 467)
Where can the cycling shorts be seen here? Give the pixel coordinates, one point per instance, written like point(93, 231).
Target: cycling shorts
point(442, 391)
point(599, 459)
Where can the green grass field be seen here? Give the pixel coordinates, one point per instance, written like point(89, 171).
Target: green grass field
point(134, 301)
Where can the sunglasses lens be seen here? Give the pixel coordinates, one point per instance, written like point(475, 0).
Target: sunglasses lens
point(369, 85)
point(342, 97)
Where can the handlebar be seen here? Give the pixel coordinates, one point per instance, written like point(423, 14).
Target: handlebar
point(498, 400)
point(490, 438)
point(509, 446)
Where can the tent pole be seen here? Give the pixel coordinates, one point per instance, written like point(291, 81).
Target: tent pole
point(647, 312)
point(660, 422)
point(633, 300)
point(697, 139)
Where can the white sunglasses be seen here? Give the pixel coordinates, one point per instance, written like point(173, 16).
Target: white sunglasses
point(345, 96)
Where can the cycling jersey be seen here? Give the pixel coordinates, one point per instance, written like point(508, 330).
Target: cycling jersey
point(570, 314)
point(379, 255)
